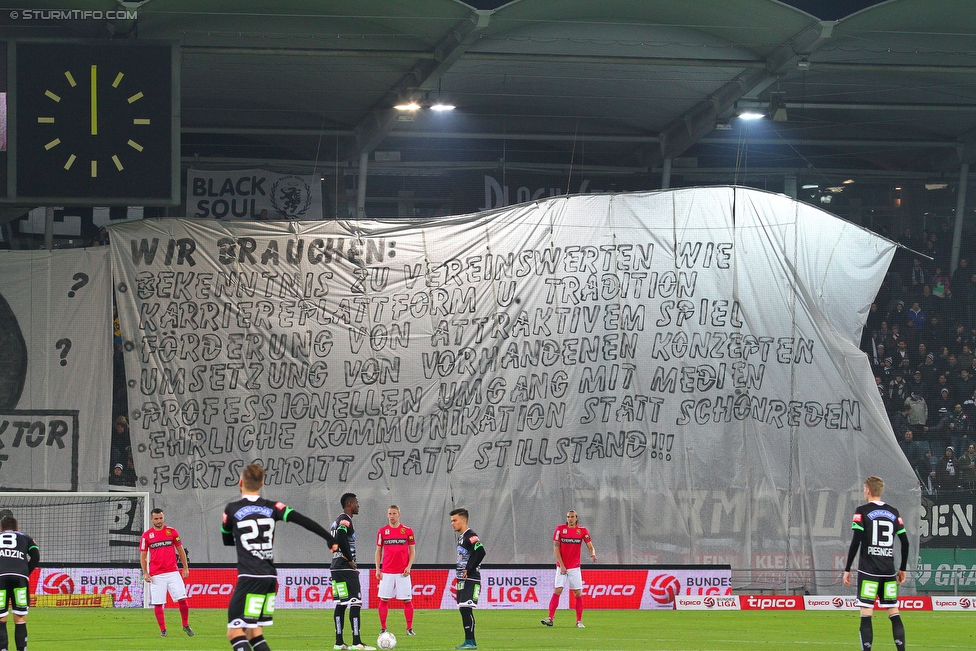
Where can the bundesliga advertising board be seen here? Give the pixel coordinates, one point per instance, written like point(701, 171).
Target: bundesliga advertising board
point(501, 589)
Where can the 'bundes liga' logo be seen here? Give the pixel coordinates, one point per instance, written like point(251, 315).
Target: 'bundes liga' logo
point(291, 197)
point(58, 584)
point(709, 602)
point(838, 602)
point(663, 588)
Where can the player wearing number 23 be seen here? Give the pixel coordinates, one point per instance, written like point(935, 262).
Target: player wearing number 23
point(249, 524)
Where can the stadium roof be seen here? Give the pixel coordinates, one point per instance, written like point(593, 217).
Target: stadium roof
point(888, 91)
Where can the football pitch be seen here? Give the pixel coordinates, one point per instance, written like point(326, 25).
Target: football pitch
point(61, 629)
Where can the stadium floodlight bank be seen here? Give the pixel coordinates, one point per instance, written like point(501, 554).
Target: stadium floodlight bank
point(87, 528)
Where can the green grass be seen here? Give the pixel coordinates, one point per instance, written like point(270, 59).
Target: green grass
point(64, 629)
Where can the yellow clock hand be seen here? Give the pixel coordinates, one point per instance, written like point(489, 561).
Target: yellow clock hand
point(94, 102)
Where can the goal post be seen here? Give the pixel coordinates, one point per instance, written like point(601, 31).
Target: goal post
point(81, 527)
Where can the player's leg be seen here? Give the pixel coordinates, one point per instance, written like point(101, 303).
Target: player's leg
point(21, 605)
point(157, 596)
point(385, 592)
point(5, 597)
point(575, 577)
point(256, 635)
point(251, 608)
point(467, 595)
point(20, 632)
point(235, 618)
point(404, 592)
point(558, 584)
point(383, 609)
point(340, 593)
point(355, 604)
point(889, 599)
point(177, 590)
point(897, 628)
point(867, 591)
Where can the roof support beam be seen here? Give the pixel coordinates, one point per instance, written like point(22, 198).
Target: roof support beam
point(684, 132)
point(371, 131)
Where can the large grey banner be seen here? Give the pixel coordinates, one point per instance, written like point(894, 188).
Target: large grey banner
point(679, 367)
point(55, 369)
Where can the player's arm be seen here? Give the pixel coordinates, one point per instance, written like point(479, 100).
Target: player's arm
point(858, 533)
point(559, 557)
point(144, 561)
point(293, 516)
point(474, 559)
point(184, 560)
point(342, 540)
point(226, 531)
point(411, 554)
point(903, 537)
point(377, 556)
point(589, 544)
point(33, 557)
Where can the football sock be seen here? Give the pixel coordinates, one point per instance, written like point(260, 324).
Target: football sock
point(339, 614)
point(3, 636)
point(354, 622)
point(867, 633)
point(553, 604)
point(579, 608)
point(160, 617)
point(258, 643)
point(408, 613)
point(20, 635)
point(384, 609)
point(898, 630)
point(184, 611)
point(240, 643)
point(467, 619)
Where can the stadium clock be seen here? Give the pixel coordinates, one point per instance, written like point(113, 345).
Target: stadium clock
point(95, 121)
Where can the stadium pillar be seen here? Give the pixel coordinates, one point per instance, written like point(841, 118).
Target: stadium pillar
point(666, 175)
point(361, 186)
point(48, 228)
point(960, 213)
point(789, 185)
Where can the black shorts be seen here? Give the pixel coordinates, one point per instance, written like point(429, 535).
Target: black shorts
point(252, 604)
point(882, 588)
point(345, 588)
point(14, 589)
point(468, 592)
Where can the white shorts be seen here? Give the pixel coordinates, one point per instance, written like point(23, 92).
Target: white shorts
point(170, 582)
point(573, 576)
point(395, 585)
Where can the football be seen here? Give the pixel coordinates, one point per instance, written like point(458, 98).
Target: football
point(386, 640)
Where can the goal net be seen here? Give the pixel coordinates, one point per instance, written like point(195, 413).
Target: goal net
point(81, 527)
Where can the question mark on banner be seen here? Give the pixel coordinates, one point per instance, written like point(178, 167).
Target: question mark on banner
point(64, 345)
point(82, 281)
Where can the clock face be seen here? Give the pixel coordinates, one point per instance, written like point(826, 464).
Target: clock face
point(94, 121)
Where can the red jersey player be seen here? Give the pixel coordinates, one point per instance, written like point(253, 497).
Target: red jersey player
point(397, 546)
point(566, 542)
point(159, 547)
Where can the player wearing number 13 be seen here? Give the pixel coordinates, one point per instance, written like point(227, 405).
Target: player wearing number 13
point(875, 527)
point(249, 524)
point(18, 558)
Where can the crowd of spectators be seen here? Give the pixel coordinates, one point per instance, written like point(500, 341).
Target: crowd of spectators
point(920, 339)
point(122, 471)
